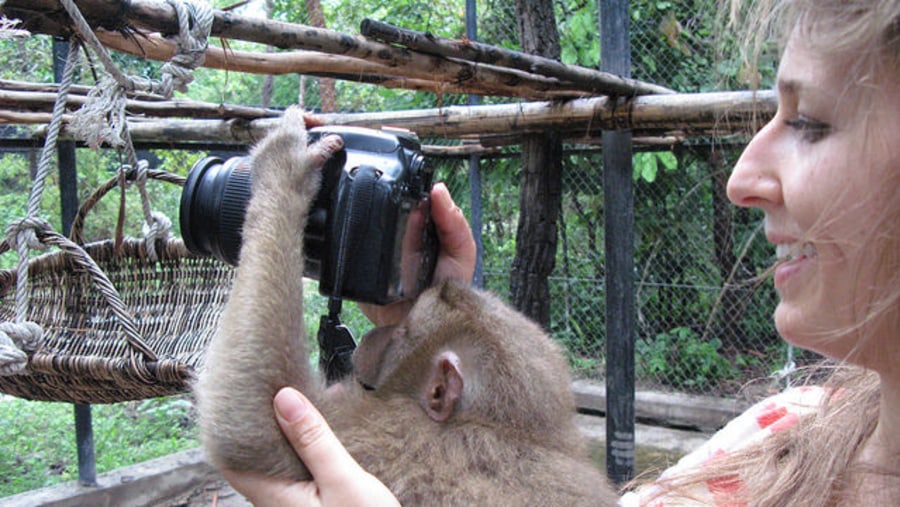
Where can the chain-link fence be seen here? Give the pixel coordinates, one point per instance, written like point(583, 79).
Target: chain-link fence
point(704, 318)
point(703, 325)
point(703, 303)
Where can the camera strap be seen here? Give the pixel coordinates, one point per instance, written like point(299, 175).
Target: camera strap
point(336, 344)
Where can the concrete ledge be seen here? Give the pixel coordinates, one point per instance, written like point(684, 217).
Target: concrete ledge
point(141, 485)
point(645, 436)
point(179, 478)
point(703, 413)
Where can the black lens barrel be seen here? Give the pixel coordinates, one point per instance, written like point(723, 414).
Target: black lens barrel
point(213, 203)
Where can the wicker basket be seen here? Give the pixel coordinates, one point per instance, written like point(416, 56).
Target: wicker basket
point(84, 355)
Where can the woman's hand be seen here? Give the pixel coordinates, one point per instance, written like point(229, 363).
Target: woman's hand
point(338, 480)
point(456, 258)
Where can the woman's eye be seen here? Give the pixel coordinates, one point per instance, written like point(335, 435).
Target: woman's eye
point(810, 130)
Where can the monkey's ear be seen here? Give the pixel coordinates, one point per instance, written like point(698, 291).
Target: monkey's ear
point(443, 387)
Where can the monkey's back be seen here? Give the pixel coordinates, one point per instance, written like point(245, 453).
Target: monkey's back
point(464, 464)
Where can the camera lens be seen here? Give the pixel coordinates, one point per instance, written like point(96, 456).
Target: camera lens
point(213, 203)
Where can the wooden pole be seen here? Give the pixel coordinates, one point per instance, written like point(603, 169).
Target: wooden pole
point(42, 16)
point(596, 82)
point(155, 47)
point(717, 114)
point(43, 101)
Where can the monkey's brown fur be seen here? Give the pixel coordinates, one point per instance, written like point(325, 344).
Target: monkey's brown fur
point(466, 402)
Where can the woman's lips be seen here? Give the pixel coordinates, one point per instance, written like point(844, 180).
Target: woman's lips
point(792, 260)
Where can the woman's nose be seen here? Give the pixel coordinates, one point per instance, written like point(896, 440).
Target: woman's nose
point(755, 181)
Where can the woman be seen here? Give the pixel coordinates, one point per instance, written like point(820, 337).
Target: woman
point(826, 173)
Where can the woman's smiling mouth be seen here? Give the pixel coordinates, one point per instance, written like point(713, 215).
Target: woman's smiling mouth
point(792, 257)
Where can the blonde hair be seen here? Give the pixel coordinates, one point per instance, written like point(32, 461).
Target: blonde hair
point(870, 28)
point(810, 464)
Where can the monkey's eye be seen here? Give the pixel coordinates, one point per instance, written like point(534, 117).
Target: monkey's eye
point(367, 387)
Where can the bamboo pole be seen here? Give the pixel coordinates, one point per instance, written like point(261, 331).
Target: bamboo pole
point(597, 82)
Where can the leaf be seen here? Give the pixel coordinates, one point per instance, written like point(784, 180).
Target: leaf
point(668, 160)
point(644, 167)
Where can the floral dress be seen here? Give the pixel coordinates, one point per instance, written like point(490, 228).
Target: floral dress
point(770, 415)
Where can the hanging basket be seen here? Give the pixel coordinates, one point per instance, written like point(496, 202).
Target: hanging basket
point(90, 353)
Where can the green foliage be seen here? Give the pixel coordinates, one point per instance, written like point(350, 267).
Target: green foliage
point(579, 38)
point(683, 360)
point(37, 446)
point(647, 165)
point(20, 63)
point(579, 329)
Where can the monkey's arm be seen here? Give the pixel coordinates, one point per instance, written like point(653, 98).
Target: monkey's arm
point(260, 345)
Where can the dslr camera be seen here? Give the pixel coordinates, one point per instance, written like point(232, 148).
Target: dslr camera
point(369, 235)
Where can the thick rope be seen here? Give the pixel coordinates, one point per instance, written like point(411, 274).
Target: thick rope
point(23, 235)
point(102, 118)
point(12, 359)
point(194, 26)
point(156, 225)
point(8, 30)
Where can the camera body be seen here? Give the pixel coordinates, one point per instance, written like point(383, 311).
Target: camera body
point(369, 235)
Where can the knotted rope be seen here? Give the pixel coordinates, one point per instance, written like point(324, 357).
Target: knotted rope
point(102, 118)
point(156, 225)
point(25, 235)
point(194, 26)
point(9, 31)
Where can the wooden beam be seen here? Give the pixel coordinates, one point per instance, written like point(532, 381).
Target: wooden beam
point(594, 81)
point(46, 16)
point(155, 47)
point(717, 113)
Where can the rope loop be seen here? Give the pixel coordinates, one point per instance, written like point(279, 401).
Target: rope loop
point(15, 340)
point(12, 360)
point(155, 229)
point(194, 26)
point(140, 176)
point(24, 232)
point(25, 335)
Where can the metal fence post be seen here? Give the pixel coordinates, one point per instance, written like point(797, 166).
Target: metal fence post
point(475, 220)
point(68, 197)
point(618, 192)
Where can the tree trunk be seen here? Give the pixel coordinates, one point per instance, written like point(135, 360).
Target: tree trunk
point(729, 312)
point(540, 190)
point(268, 85)
point(327, 94)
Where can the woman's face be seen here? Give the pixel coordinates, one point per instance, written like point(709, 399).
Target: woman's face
point(825, 172)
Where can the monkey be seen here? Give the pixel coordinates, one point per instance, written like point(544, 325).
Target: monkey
point(464, 402)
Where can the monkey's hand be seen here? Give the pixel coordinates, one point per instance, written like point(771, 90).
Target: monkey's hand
point(287, 172)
